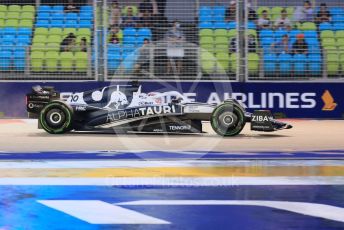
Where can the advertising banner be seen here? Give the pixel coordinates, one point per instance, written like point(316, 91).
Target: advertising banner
point(292, 100)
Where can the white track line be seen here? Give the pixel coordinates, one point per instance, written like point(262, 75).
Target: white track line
point(175, 181)
point(91, 164)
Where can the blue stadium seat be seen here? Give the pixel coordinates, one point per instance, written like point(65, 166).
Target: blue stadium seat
point(57, 9)
point(44, 8)
point(270, 61)
point(336, 10)
point(71, 16)
point(43, 16)
point(293, 33)
point(57, 23)
point(251, 26)
point(129, 40)
point(24, 31)
point(71, 24)
point(220, 25)
point(43, 23)
point(25, 39)
point(300, 64)
point(129, 61)
point(266, 34)
point(10, 39)
point(85, 24)
point(219, 10)
point(325, 26)
point(314, 64)
point(205, 25)
point(266, 42)
point(338, 26)
point(129, 32)
point(338, 18)
point(114, 49)
point(205, 18)
point(129, 48)
point(86, 16)
point(310, 34)
point(285, 63)
point(231, 25)
point(144, 32)
point(218, 18)
point(205, 10)
point(9, 31)
point(86, 8)
point(19, 60)
point(57, 16)
point(5, 59)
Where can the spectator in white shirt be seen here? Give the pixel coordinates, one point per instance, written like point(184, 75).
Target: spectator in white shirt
point(264, 21)
point(283, 22)
point(305, 13)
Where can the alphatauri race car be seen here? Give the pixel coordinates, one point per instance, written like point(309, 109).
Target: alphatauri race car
point(127, 109)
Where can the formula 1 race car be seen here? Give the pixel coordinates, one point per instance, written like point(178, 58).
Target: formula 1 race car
point(126, 109)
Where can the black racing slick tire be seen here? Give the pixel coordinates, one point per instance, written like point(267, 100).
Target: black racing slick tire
point(228, 119)
point(56, 118)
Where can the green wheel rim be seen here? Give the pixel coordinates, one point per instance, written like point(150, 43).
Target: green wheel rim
point(67, 124)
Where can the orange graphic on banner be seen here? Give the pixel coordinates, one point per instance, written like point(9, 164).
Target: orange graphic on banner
point(329, 104)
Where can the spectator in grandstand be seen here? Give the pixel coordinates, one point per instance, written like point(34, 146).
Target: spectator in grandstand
point(145, 6)
point(230, 14)
point(282, 46)
point(129, 20)
point(83, 45)
point(305, 13)
point(283, 22)
point(300, 45)
point(251, 46)
point(252, 15)
point(264, 21)
point(115, 13)
point(175, 50)
point(71, 7)
point(146, 20)
point(323, 14)
point(142, 63)
point(114, 41)
point(115, 33)
point(68, 43)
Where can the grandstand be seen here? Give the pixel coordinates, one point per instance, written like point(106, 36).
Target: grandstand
point(215, 45)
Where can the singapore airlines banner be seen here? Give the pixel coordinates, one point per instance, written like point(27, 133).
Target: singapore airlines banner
point(292, 100)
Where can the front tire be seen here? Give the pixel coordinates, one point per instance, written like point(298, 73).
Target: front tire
point(56, 118)
point(228, 119)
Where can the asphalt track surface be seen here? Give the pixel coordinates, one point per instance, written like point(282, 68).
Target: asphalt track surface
point(308, 135)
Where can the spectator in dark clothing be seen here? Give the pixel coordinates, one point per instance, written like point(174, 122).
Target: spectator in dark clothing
point(115, 32)
point(230, 14)
point(146, 7)
point(142, 62)
point(83, 45)
point(70, 7)
point(68, 43)
point(300, 46)
point(251, 46)
point(323, 15)
point(114, 40)
point(281, 46)
point(252, 15)
point(129, 20)
point(146, 20)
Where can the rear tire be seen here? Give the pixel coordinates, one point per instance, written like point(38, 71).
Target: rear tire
point(228, 119)
point(56, 118)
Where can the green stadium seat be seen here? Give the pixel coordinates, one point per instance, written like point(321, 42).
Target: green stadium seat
point(38, 46)
point(206, 33)
point(2, 15)
point(3, 8)
point(251, 32)
point(222, 62)
point(328, 42)
point(327, 34)
point(308, 26)
point(332, 64)
point(206, 40)
point(220, 33)
point(28, 8)
point(207, 62)
point(330, 50)
point(276, 12)
point(340, 43)
point(66, 61)
point(37, 61)
point(290, 11)
point(340, 34)
point(11, 23)
point(81, 61)
point(2, 23)
point(52, 46)
point(221, 40)
point(233, 62)
point(78, 39)
point(83, 32)
point(253, 63)
point(54, 39)
point(27, 15)
point(56, 31)
point(27, 23)
point(231, 34)
point(51, 61)
point(13, 15)
point(39, 39)
point(261, 9)
point(14, 8)
point(41, 31)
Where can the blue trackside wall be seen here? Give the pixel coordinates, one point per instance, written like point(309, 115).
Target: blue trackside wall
point(293, 100)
